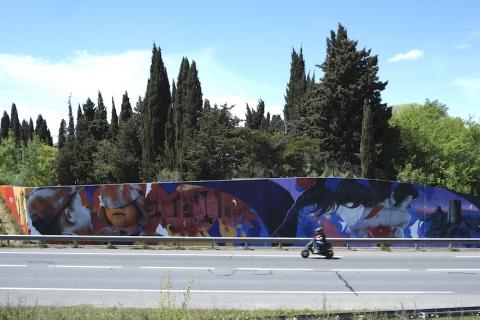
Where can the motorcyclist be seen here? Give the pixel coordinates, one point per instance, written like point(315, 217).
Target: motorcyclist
point(319, 239)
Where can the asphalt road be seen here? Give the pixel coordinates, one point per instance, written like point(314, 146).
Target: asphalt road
point(259, 279)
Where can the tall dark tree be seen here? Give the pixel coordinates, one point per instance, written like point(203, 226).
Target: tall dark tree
point(41, 129)
point(296, 87)
point(192, 102)
point(100, 123)
point(24, 131)
point(31, 129)
point(4, 125)
point(128, 151)
point(367, 145)
point(332, 110)
point(187, 108)
point(62, 134)
point(154, 116)
point(255, 119)
point(170, 154)
point(15, 122)
point(66, 154)
point(179, 110)
point(85, 145)
point(113, 123)
point(126, 111)
point(71, 124)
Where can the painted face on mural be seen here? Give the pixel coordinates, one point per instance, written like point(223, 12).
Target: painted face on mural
point(58, 211)
point(124, 217)
point(76, 218)
point(121, 207)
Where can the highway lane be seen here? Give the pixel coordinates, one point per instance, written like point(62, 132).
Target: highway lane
point(240, 278)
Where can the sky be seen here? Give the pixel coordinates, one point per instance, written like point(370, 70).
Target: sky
point(51, 50)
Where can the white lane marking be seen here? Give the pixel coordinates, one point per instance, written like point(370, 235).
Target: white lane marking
point(467, 256)
point(221, 291)
point(156, 254)
point(13, 265)
point(370, 270)
point(273, 269)
point(87, 267)
point(180, 268)
point(453, 270)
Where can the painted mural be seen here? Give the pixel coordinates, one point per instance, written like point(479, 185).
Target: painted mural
point(290, 207)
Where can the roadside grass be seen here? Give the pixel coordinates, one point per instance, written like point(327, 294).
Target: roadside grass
point(18, 312)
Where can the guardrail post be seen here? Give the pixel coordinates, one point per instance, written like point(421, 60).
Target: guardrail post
point(348, 245)
point(416, 245)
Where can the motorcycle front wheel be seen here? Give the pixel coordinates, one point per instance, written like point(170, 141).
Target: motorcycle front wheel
point(305, 253)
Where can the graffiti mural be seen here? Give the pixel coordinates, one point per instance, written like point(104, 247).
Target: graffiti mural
point(289, 207)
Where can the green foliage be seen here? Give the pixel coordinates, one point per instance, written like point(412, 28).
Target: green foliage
point(32, 165)
point(127, 151)
point(258, 154)
point(436, 149)
point(168, 175)
point(212, 154)
point(332, 109)
point(104, 169)
point(38, 166)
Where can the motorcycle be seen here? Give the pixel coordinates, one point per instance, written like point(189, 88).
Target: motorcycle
point(323, 250)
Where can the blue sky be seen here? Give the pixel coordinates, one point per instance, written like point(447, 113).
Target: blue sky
point(51, 49)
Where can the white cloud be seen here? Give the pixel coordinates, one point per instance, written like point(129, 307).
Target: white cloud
point(462, 46)
point(39, 86)
point(470, 85)
point(413, 54)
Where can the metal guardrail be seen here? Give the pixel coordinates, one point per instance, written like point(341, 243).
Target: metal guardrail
point(247, 241)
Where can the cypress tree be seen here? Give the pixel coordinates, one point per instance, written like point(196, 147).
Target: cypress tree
point(41, 129)
point(49, 138)
point(192, 103)
point(187, 108)
point(113, 123)
point(295, 88)
point(14, 122)
point(66, 152)
point(4, 125)
point(71, 124)
point(255, 119)
point(31, 130)
point(100, 123)
point(126, 108)
point(62, 134)
point(179, 110)
point(154, 116)
point(367, 145)
point(85, 145)
point(24, 131)
point(128, 151)
point(170, 154)
point(333, 109)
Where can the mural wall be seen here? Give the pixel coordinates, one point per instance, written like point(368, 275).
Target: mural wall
point(290, 207)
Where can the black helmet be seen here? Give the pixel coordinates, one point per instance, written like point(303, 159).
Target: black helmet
point(319, 229)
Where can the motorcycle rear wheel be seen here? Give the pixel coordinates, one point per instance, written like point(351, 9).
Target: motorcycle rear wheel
point(305, 253)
